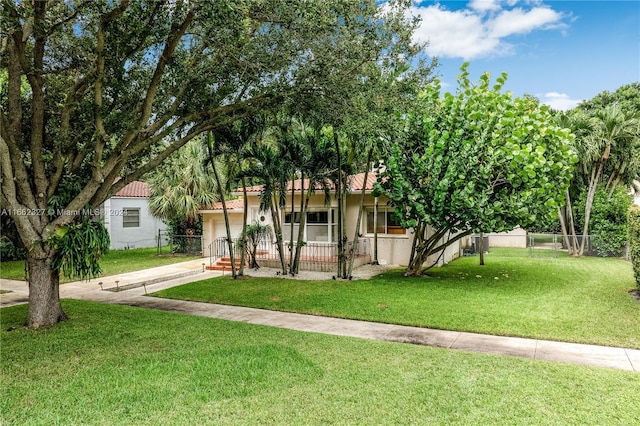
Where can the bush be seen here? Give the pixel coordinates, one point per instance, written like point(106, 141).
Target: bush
point(9, 251)
point(608, 222)
point(633, 217)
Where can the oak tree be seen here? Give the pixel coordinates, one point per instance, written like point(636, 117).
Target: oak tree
point(113, 88)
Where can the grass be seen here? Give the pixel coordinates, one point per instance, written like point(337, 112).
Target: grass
point(113, 263)
point(122, 365)
point(582, 300)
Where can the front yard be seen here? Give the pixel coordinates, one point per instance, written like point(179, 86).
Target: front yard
point(116, 365)
point(113, 263)
point(579, 300)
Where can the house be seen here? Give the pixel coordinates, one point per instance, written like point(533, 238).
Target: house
point(393, 242)
point(128, 220)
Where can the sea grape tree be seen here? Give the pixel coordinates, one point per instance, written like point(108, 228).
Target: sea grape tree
point(477, 160)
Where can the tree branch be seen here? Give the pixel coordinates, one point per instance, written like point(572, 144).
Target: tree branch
point(177, 31)
point(37, 104)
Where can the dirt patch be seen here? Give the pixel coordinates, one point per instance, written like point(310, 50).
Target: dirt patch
point(635, 294)
point(274, 298)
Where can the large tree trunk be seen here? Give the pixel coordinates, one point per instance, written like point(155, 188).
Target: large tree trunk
point(426, 246)
point(44, 290)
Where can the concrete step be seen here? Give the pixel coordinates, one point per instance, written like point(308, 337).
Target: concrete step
point(224, 264)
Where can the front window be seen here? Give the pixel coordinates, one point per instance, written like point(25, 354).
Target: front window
point(319, 226)
point(387, 223)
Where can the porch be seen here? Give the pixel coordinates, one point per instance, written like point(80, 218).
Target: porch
point(322, 257)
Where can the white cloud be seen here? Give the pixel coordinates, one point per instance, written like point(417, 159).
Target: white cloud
point(559, 101)
point(484, 5)
point(519, 21)
point(480, 29)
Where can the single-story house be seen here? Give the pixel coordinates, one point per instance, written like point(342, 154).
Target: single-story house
point(393, 242)
point(128, 220)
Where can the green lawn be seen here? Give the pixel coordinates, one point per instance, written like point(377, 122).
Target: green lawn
point(579, 300)
point(113, 263)
point(121, 365)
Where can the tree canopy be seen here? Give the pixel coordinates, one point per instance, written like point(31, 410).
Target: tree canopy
point(475, 160)
point(113, 88)
point(607, 130)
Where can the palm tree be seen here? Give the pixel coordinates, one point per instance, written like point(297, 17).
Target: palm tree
point(581, 126)
point(233, 143)
point(315, 162)
point(210, 144)
point(182, 186)
point(273, 171)
point(607, 149)
point(255, 233)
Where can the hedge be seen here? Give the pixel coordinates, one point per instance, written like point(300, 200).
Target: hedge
point(634, 240)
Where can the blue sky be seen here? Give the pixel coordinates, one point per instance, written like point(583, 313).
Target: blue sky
point(562, 52)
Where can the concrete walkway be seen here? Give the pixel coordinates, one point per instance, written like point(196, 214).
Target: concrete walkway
point(172, 275)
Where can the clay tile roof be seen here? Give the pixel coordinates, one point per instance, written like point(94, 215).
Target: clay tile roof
point(355, 183)
point(134, 189)
point(231, 205)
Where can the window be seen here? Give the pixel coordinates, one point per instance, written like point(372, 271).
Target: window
point(130, 218)
point(319, 226)
point(387, 223)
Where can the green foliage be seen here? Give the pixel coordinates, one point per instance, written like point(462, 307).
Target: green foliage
point(182, 186)
point(9, 251)
point(255, 234)
point(79, 247)
point(626, 96)
point(477, 160)
point(11, 247)
point(608, 221)
point(633, 217)
point(178, 226)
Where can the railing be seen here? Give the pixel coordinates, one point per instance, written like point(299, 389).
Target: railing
point(313, 256)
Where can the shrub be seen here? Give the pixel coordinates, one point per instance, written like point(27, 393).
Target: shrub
point(9, 251)
point(608, 223)
point(633, 217)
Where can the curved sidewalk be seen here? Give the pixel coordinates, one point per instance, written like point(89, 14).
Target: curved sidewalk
point(592, 355)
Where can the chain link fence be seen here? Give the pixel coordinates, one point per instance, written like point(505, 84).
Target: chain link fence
point(169, 244)
point(545, 245)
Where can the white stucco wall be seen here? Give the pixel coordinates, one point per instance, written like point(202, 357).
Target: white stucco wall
point(392, 249)
point(145, 235)
point(514, 238)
